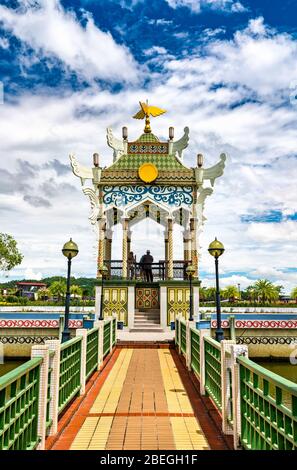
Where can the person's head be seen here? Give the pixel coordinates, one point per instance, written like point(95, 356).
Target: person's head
point(148, 252)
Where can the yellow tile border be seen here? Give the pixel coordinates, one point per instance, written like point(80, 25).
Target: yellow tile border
point(108, 397)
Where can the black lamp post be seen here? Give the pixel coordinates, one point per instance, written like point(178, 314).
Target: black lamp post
point(103, 270)
point(190, 272)
point(70, 250)
point(216, 249)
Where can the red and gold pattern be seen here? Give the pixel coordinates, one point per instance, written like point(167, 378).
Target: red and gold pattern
point(38, 323)
point(283, 324)
point(147, 297)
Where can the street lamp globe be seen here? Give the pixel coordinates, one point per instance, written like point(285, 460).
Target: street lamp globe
point(190, 270)
point(70, 249)
point(103, 270)
point(216, 248)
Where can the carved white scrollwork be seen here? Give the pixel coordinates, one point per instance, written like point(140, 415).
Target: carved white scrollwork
point(81, 171)
point(180, 145)
point(116, 144)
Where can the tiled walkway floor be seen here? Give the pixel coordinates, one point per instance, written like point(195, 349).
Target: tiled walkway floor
point(142, 404)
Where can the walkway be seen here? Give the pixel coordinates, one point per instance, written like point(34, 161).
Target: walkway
point(142, 404)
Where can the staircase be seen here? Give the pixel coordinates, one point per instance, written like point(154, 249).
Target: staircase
point(147, 320)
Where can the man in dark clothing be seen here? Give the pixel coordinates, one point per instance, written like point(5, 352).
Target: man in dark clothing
point(147, 261)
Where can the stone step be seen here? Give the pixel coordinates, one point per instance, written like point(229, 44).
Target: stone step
point(144, 320)
point(147, 317)
point(146, 324)
point(147, 329)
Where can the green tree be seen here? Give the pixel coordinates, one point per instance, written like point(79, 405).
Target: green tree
point(265, 291)
point(10, 256)
point(294, 294)
point(230, 293)
point(211, 294)
point(76, 291)
point(58, 289)
point(43, 293)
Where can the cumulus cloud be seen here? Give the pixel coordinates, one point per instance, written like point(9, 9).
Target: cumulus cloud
point(50, 31)
point(234, 96)
point(155, 50)
point(219, 5)
point(36, 201)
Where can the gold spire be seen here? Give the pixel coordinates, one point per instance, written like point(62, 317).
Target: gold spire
point(145, 112)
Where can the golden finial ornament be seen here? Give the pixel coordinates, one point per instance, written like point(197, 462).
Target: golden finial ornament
point(145, 112)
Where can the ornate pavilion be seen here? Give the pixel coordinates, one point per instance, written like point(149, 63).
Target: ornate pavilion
point(147, 179)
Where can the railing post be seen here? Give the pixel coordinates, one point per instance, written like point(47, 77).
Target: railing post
point(100, 325)
point(236, 351)
point(188, 343)
point(111, 328)
point(42, 351)
point(226, 364)
point(114, 317)
point(179, 335)
point(203, 333)
point(54, 345)
point(83, 358)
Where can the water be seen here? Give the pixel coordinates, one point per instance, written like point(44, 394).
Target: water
point(284, 369)
point(10, 365)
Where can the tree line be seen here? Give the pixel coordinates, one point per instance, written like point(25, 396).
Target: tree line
point(261, 292)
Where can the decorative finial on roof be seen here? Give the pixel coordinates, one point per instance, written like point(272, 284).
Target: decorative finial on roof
point(145, 112)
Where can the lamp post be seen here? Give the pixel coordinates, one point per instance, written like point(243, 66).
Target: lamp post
point(103, 270)
point(70, 250)
point(216, 249)
point(190, 272)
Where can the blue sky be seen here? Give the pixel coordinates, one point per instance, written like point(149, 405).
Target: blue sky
point(225, 68)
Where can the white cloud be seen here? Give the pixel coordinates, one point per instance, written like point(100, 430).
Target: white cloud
point(57, 34)
point(234, 96)
point(274, 232)
point(155, 50)
point(197, 5)
point(4, 43)
point(31, 274)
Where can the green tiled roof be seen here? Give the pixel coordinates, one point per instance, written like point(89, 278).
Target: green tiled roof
point(147, 138)
point(134, 161)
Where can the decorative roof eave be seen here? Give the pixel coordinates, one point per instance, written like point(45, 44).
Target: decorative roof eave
point(180, 177)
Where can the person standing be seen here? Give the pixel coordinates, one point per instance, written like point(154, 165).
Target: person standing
point(131, 265)
point(147, 261)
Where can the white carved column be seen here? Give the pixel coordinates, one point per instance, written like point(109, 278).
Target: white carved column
point(194, 251)
point(166, 253)
point(108, 249)
point(125, 248)
point(129, 241)
point(170, 248)
point(101, 239)
point(187, 245)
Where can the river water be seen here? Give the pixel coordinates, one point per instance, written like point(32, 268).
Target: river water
point(10, 365)
point(285, 369)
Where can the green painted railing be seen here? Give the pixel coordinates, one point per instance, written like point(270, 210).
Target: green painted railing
point(19, 394)
point(183, 337)
point(268, 409)
point(69, 383)
point(195, 351)
point(114, 331)
point(177, 331)
point(92, 351)
point(213, 370)
point(49, 396)
point(106, 337)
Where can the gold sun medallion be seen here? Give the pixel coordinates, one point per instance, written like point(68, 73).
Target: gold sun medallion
point(148, 172)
